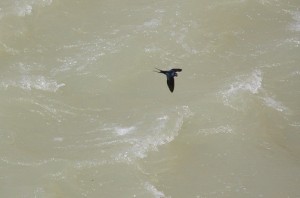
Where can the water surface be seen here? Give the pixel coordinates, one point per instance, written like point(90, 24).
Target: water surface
point(84, 115)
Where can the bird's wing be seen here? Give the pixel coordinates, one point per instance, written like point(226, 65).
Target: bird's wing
point(171, 83)
point(177, 70)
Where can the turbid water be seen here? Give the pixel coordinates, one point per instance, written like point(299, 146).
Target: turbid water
point(82, 114)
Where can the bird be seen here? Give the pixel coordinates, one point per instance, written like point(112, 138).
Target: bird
point(170, 76)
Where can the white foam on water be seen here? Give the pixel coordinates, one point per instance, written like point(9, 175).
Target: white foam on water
point(7, 49)
point(271, 102)
point(104, 77)
point(159, 134)
point(27, 82)
point(121, 131)
point(118, 129)
point(153, 23)
point(265, 2)
point(252, 84)
point(22, 8)
point(180, 34)
point(152, 49)
point(225, 3)
point(293, 41)
point(153, 190)
point(82, 164)
point(295, 25)
point(31, 163)
point(58, 139)
point(295, 73)
point(39, 192)
point(295, 124)
point(217, 130)
point(88, 53)
point(243, 84)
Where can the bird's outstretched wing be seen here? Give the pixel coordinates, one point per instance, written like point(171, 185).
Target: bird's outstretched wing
point(176, 70)
point(171, 83)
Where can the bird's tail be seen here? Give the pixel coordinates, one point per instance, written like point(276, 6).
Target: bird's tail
point(159, 71)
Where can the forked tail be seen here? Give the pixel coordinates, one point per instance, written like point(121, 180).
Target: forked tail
point(160, 71)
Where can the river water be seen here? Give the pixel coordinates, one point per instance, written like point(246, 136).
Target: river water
point(82, 114)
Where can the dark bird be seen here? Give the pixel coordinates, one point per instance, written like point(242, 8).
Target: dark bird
point(170, 77)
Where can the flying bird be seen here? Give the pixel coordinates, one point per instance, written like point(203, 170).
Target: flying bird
point(170, 77)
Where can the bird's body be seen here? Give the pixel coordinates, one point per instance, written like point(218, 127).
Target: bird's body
point(170, 77)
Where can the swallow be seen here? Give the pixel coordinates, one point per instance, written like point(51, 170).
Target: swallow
point(170, 77)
